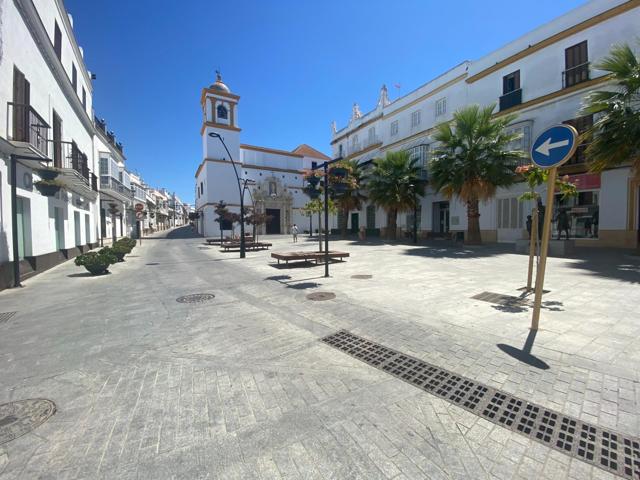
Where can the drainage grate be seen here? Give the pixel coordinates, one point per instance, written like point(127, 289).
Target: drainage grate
point(20, 417)
point(196, 298)
point(506, 300)
point(362, 277)
point(605, 449)
point(6, 316)
point(321, 296)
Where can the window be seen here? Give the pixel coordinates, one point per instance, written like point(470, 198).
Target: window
point(84, 98)
point(340, 149)
point(510, 213)
point(201, 187)
point(441, 107)
point(394, 128)
point(511, 82)
point(371, 217)
point(523, 142)
point(57, 41)
point(415, 119)
point(581, 124)
point(576, 62)
point(420, 153)
point(74, 77)
point(222, 112)
point(372, 135)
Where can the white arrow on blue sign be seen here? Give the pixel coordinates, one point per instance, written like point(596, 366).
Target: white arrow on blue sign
point(554, 146)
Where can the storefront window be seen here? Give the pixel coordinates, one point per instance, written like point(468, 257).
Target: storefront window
point(577, 217)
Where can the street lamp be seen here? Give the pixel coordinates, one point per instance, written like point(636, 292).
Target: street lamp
point(240, 190)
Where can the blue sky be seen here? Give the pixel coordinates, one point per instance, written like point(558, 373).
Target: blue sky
point(297, 64)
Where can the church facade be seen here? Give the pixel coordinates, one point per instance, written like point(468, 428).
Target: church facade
point(273, 178)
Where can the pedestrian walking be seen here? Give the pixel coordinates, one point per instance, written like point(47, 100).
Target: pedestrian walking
point(564, 224)
point(294, 231)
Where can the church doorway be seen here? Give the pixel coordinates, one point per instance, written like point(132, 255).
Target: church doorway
point(273, 226)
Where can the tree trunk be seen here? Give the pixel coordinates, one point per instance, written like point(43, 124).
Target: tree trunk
point(392, 224)
point(344, 222)
point(473, 223)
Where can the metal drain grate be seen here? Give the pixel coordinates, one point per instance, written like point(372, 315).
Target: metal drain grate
point(196, 298)
point(506, 300)
point(602, 448)
point(321, 296)
point(20, 417)
point(362, 277)
point(6, 316)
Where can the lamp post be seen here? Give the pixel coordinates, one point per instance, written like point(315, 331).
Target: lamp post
point(14, 211)
point(240, 190)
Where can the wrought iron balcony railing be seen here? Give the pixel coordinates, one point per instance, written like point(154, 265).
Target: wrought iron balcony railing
point(573, 76)
point(511, 99)
point(68, 155)
point(24, 124)
point(108, 182)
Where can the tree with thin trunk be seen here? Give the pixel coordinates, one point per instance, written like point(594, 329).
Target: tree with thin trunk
point(351, 197)
point(473, 159)
point(394, 183)
point(316, 206)
point(614, 139)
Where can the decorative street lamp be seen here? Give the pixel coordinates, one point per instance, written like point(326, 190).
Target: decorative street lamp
point(240, 190)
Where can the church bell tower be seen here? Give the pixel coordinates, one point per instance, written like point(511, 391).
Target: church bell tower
point(220, 115)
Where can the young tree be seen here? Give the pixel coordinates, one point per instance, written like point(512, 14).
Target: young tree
point(256, 218)
point(472, 160)
point(350, 197)
point(316, 206)
point(393, 184)
point(614, 138)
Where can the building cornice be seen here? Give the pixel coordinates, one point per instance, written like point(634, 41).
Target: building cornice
point(216, 125)
point(270, 150)
point(34, 23)
point(211, 91)
point(248, 166)
point(74, 43)
point(601, 17)
point(364, 150)
point(119, 156)
point(358, 128)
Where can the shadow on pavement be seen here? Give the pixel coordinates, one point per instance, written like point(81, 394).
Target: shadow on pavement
point(525, 355)
point(87, 274)
point(618, 265)
point(180, 233)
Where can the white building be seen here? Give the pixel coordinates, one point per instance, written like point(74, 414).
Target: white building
point(543, 77)
point(275, 177)
point(46, 102)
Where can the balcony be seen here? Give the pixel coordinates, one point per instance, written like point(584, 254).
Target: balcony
point(74, 168)
point(27, 129)
point(511, 99)
point(114, 188)
point(575, 75)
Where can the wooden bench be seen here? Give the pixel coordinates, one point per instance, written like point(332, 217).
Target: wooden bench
point(248, 246)
point(308, 256)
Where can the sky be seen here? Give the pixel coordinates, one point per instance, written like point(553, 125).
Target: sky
point(296, 64)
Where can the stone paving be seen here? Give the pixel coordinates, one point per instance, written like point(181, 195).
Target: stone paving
point(241, 387)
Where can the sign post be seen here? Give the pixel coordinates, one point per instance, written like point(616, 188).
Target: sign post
point(533, 242)
point(552, 148)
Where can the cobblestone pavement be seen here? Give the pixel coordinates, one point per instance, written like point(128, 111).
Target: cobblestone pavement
point(240, 386)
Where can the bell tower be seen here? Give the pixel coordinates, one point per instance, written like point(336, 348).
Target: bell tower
point(220, 115)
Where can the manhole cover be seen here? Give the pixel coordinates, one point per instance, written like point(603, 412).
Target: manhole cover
point(196, 298)
point(320, 296)
point(19, 418)
point(362, 277)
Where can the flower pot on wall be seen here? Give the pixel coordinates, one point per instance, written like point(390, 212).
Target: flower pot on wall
point(47, 173)
point(47, 189)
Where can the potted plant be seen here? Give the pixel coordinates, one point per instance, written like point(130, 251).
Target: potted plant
point(48, 173)
point(119, 250)
point(48, 188)
point(97, 263)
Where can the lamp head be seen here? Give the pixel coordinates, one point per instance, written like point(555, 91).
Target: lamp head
point(214, 134)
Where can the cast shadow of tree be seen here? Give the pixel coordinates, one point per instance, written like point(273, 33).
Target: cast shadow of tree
point(524, 355)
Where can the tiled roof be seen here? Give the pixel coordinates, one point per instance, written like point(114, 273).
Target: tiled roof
point(308, 151)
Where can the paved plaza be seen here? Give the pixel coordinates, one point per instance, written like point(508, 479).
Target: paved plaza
point(240, 386)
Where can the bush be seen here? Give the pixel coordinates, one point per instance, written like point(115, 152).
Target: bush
point(126, 241)
point(97, 263)
point(119, 250)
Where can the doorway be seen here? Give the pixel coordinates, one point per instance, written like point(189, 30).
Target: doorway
point(87, 229)
point(355, 222)
point(76, 228)
point(23, 214)
point(273, 225)
point(441, 218)
point(58, 221)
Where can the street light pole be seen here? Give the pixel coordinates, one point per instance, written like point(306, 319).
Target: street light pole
point(241, 191)
point(415, 217)
point(326, 219)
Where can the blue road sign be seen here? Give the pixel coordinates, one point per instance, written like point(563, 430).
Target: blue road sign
point(554, 146)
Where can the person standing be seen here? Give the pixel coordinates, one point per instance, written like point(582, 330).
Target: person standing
point(294, 231)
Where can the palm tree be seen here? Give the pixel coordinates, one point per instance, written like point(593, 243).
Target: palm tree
point(472, 160)
point(615, 136)
point(393, 184)
point(351, 198)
